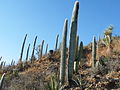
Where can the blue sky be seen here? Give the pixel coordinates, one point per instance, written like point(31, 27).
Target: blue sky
point(45, 19)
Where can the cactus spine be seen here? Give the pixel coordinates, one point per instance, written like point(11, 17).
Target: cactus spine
point(72, 42)
point(1, 81)
point(93, 52)
point(56, 44)
point(33, 57)
point(63, 53)
point(20, 60)
point(41, 49)
point(46, 49)
point(27, 52)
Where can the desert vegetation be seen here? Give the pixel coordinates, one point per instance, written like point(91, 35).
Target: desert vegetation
point(95, 66)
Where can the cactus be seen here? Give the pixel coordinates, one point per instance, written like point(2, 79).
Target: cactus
point(56, 44)
point(1, 81)
point(33, 57)
point(21, 54)
point(80, 55)
point(63, 53)
point(0, 58)
point(41, 49)
point(93, 52)
point(12, 62)
point(46, 49)
point(80, 52)
point(72, 42)
point(4, 63)
point(59, 46)
point(76, 54)
point(27, 52)
point(1, 65)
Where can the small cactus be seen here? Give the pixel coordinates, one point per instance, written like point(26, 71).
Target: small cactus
point(56, 44)
point(33, 57)
point(1, 81)
point(46, 49)
point(0, 58)
point(41, 49)
point(80, 55)
point(72, 41)
point(27, 52)
point(21, 54)
point(93, 52)
point(63, 53)
point(76, 54)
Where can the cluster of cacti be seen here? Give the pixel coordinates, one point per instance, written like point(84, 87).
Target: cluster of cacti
point(1, 81)
point(72, 46)
point(12, 62)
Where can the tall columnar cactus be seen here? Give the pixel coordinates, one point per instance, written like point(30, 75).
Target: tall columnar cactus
point(46, 49)
point(21, 54)
point(63, 53)
point(1, 65)
point(27, 52)
point(12, 62)
point(76, 53)
point(56, 43)
point(72, 42)
point(93, 52)
point(59, 46)
point(33, 57)
point(80, 55)
point(41, 49)
point(1, 81)
point(0, 58)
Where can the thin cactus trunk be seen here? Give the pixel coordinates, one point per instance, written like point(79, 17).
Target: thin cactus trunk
point(12, 62)
point(33, 57)
point(80, 55)
point(1, 81)
point(27, 53)
point(0, 58)
point(60, 46)
point(41, 49)
point(72, 42)
point(46, 49)
point(63, 53)
point(4, 63)
point(76, 54)
point(20, 60)
point(93, 52)
point(56, 44)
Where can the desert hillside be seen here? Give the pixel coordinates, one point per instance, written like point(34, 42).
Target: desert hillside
point(95, 66)
point(36, 75)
